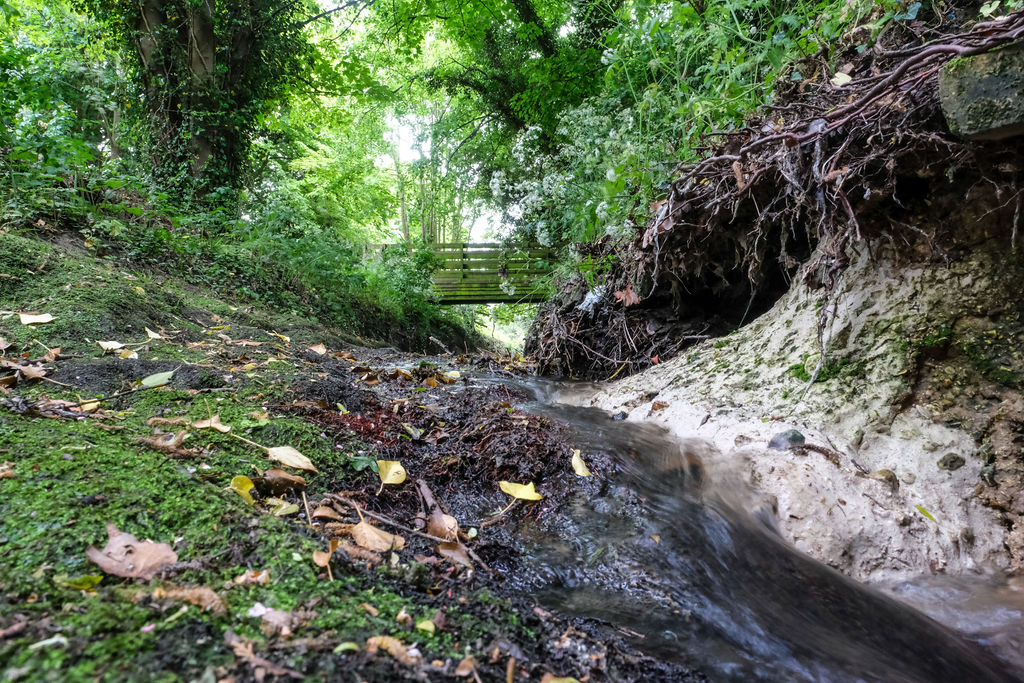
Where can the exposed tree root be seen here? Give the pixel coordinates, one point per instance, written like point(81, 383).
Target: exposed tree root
point(825, 171)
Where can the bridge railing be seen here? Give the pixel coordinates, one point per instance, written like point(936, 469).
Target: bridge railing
point(487, 272)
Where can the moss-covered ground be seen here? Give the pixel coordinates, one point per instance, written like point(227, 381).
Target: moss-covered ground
point(70, 471)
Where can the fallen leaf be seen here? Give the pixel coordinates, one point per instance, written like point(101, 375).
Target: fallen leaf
point(157, 379)
point(200, 596)
point(452, 374)
point(430, 382)
point(7, 470)
point(551, 678)
point(109, 346)
point(370, 537)
point(841, 79)
point(427, 626)
point(324, 512)
point(280, 336)
point(35, 318)
point(251, 576)
point(578, 466)
point(414, 432)
point(242, 485)
point(245, 649)
point(659, 405)
point(153, 335)
point(442, 525)
point(4, 344)
point(51, 354)
point(288, 456)
point(466, 667)
point(167, 421)
point(124, 555)
point(520, 491)
point(318, 348)
point(390, 471)
point(455, 552)
point(213, 423)
point(370, 609)
point(403, 617)
point(167, 443)
point(627, 297)
point(321, 558)
point(394, 647)
point(79, 583)
point(277, 482)
point(280, 508)
point(128, 354)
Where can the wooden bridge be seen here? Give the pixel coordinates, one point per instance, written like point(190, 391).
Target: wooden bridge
point(490, 272)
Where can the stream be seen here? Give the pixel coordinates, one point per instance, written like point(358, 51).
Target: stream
point(695, 573)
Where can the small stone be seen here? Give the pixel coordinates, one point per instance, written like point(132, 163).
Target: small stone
point(951, 462)
point(988, 474)
point(787, 440)
point(621, 415)
point(908, 477)
point(886, 476)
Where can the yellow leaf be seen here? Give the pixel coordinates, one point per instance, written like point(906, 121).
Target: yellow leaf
point(426, 625)
point(213, 423)
point(453, 374)
point(288, 456)
point(391, 471)
point(139, 290)
point(280, 508)
point(578, 466)
point(153, 335)
point(35, 319)
point(430, 382)
point(280, 336)
point(393, 647)
point(370, 537)
point(128, 354)
point(520, 491)
point(108, 346)
point(242, 485)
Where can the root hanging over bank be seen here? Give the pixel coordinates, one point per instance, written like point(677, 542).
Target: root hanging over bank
point(841, 159)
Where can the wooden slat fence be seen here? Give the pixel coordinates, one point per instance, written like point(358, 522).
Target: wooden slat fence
point(487, 272)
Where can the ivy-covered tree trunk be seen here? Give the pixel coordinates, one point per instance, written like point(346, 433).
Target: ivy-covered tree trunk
point(207, 72)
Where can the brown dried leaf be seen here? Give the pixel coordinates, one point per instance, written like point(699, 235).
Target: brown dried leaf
point(356, 553)
point(200, 596)
point(325, 512)
point(168, 443)
point(627, 297)
point(251, 576)
point(370, 537)
point(370, 609)
point(244, 649)
point(7, 470)
point(167, 421)
point(318, 348)
point(455, 552)
point(321, 558)
point(442, 525)
point(124, 555)
point(277, 482)
point(466, 667)
point(394, 647)
point(51, 355)
point(213, 423)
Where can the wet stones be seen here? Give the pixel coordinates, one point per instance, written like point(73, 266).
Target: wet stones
point(951, 462)
point(787, 440)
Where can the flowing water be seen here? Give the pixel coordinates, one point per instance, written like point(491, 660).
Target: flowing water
point(695, 573)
